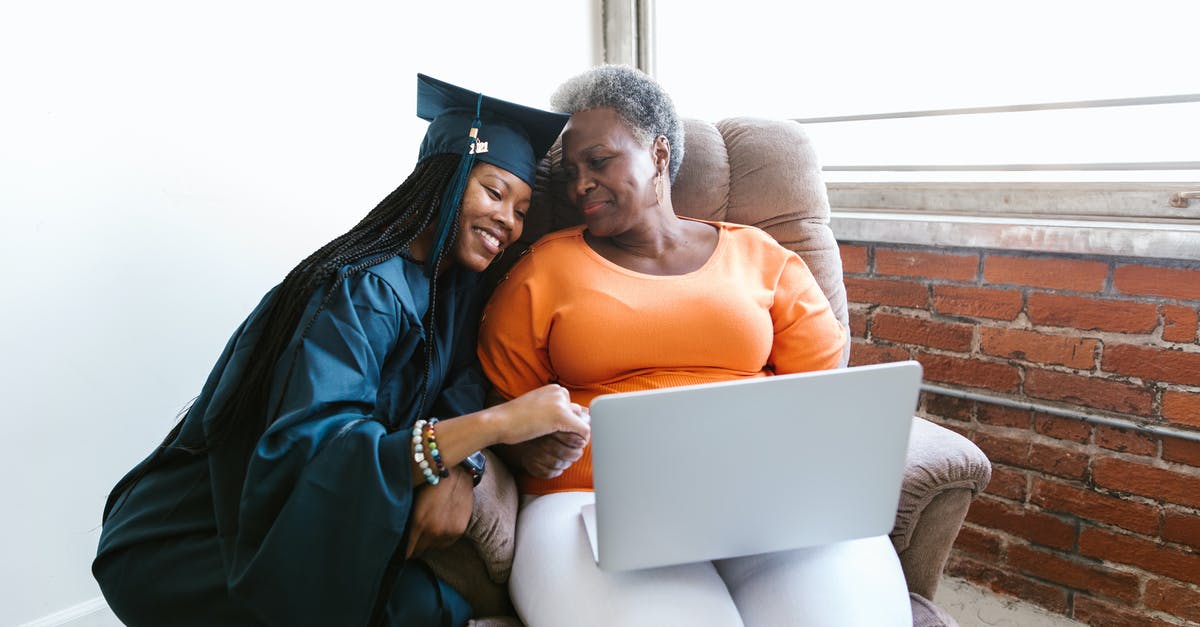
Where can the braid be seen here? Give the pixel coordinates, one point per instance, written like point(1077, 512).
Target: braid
point(431, 313)
point(386, 231)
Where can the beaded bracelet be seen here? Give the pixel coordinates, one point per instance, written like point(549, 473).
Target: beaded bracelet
point(418, 445)
point(432, 447)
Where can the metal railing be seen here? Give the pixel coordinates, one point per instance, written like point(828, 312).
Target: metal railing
point(1091, 418)
point(1044, 106)
point(1024, 167)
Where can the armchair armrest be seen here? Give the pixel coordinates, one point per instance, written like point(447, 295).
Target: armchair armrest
point(942, 474)
point(478, 564)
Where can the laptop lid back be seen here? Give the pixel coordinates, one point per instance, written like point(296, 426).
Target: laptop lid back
point(750, 466)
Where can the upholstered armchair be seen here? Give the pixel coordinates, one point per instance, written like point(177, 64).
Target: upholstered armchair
point(763, 173)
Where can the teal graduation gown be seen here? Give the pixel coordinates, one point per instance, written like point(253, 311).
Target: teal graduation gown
point(312, 530)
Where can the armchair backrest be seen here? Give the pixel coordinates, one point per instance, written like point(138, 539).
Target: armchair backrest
point(759, 172)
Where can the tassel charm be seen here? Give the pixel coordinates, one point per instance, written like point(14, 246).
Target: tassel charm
point(477, 146)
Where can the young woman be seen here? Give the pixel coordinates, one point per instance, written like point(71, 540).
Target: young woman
point(312, 470)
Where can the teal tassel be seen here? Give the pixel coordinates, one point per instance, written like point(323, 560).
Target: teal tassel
point(452, 199)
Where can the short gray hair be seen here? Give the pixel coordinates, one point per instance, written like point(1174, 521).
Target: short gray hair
point(637, 99)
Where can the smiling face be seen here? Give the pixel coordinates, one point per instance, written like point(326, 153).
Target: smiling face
point(610, 174)
point(493, 214)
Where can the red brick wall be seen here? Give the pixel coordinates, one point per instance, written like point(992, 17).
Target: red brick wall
point(1098, 523)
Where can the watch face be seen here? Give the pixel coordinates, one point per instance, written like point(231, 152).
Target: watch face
point(476, 460)
point(475, 463)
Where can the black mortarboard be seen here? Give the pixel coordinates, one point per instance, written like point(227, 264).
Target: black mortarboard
point(517, 136)
point(467, 123)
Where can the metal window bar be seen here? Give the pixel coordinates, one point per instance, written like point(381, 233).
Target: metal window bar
point(1119, 423)
point(1016, 167)
point(1023, 167)
point(1045, 106)
point(628, 31)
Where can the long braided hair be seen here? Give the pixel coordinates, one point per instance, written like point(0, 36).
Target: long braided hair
point(383, 234)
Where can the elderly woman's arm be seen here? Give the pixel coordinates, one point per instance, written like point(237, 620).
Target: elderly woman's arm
point(807, 334)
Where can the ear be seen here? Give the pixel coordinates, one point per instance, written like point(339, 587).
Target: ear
point(660, 151)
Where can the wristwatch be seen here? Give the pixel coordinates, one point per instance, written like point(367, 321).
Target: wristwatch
point(475, 463)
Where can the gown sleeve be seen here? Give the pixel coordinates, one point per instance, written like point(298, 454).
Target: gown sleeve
point(327, 490)
point(807, 335)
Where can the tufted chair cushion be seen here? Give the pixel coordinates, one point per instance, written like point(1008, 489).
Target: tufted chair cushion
point(763, 173)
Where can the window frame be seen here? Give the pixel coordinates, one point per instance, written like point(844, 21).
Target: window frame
point(1129, 219)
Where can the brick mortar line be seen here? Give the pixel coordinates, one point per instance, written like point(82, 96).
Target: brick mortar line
point(1081, 522)
point(1033, 436)
point(1116, 260)
point(1071, 556)
point(1105, 338)
point(1104, 294)
point(1096, 372)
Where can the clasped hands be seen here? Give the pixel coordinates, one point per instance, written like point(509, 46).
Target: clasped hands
point(548, 456)
point(441, 513)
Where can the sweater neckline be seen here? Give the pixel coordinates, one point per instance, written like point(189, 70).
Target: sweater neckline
point(708, 263)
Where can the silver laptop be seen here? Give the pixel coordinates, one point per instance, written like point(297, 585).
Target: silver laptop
point(752, 466)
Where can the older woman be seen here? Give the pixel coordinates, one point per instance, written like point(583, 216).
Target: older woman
point(639, 298)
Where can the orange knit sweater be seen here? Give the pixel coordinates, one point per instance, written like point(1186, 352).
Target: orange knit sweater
point(567, 315)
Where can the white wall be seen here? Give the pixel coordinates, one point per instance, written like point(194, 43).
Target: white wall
point(162, 164)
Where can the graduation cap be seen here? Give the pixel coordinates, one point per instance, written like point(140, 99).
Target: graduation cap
point(462, 122)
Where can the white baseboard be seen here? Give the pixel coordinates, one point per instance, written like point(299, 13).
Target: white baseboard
point(90, 613)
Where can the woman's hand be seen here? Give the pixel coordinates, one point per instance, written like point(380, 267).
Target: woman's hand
point(548, 456)
point(440, 513)
point(544, 411)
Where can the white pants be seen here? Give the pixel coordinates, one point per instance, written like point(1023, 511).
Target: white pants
point(555, 581)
